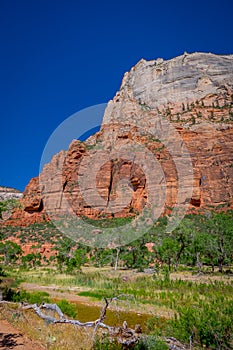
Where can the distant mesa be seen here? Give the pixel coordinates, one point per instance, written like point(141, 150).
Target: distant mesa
point(9, 193)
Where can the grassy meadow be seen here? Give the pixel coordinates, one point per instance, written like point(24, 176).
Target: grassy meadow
point(191, 308)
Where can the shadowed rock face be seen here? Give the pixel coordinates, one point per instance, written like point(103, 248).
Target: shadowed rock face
point(193, 96)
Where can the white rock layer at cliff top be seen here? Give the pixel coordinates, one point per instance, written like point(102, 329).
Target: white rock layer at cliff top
point(159, 83)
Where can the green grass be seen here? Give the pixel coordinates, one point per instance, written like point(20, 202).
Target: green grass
point(94, 294)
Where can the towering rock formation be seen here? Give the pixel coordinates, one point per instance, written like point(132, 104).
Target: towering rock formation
point(177, 116)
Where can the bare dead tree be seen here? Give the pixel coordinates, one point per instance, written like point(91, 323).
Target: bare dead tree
point(122, 334)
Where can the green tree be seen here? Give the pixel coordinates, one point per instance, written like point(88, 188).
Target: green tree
point(172, 248)
point(3, 207)
point(77, 258)
point(183, 234)
point(71, 256)
point(167, 251)
point(212, 240)
point(101, 257)
point(204, 250)
point(136, 255)
point(63, 248)
point(10, 251)
point(31, 260)
point(8, 204)
point(219, 226)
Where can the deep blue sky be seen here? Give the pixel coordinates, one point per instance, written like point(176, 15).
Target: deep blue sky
point(58, 57)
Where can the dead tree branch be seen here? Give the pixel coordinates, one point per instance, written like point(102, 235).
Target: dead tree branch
point(121, 334)
point(62, 318)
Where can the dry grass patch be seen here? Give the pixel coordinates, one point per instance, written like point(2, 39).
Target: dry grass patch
point(52, 337)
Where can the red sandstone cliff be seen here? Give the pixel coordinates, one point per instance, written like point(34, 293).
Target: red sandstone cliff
point(192, 93)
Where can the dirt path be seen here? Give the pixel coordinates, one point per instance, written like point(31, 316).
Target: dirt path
point(11, 338)
point(56, 292)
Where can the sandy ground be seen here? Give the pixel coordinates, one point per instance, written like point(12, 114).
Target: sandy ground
point(56, 292)
point(11, 338)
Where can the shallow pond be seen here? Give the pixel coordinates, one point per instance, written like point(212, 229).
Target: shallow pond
point(114, 317)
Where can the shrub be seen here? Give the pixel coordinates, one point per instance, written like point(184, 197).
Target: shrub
point(150, 342)
point(67, 308)
point(2, 273)
point(211, 325)
point(104, 343)
point(23, 296)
